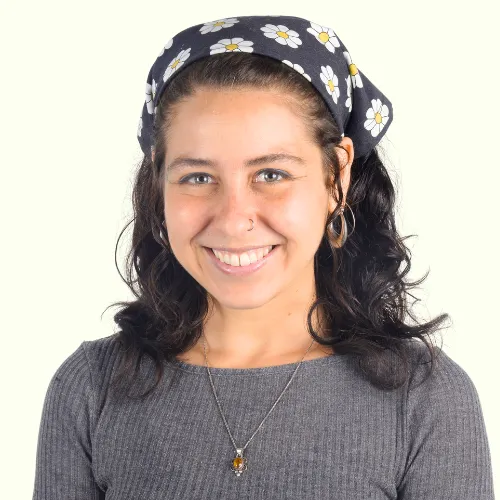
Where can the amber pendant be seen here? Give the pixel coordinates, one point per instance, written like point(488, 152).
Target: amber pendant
point(239, 462)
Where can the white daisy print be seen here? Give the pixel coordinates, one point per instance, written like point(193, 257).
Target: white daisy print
point(353, 71)
point(282, 35)
point(231, 45)
point(166, 47)
point(217, 25)
point(150, 95)
point(378, 116)
point(139, 127)
point(176, 63)
point(298, 68)
point(348, 101)
point(324, 35)
point(331, 81)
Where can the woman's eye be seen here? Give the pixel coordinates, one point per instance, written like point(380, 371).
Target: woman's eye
point(275, 173)
point(269, 175)
point(185, 180)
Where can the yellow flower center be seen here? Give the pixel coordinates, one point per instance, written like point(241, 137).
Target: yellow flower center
point(282, 34)
point(323, 36)
point(175, 63)
point(220, 23)
point(352, 69)
point(378, 117)
point(331, 85)
point(232, 46)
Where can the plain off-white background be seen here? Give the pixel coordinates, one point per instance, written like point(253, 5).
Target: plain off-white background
point(72, 91)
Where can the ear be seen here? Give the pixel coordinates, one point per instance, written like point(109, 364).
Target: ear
point(346, 157)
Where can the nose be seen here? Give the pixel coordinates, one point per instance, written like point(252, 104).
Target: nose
point(234, 207)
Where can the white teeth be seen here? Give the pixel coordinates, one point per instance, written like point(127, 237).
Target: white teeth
point(243, 259)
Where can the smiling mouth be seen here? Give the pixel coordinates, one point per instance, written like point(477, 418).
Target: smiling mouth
point(242, 259)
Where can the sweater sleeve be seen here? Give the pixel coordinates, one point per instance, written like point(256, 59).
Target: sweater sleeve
point(64, 451)
point(448, 455)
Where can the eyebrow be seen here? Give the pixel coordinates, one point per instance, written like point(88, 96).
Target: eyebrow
point(183, 161)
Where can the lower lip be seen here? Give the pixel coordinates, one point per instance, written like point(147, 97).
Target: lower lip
point(240, 270)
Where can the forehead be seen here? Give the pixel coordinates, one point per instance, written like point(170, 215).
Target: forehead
point(221, 118)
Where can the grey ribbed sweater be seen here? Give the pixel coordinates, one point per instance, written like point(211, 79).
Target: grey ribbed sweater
point(332, 435)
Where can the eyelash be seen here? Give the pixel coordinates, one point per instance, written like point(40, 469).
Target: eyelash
point(185, 179)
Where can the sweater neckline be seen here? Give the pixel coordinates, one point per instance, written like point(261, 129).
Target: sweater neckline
point(263, 370)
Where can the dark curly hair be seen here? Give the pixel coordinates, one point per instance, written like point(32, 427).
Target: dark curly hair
point(361, 286)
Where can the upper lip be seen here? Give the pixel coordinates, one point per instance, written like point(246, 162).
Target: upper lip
point(239, 249)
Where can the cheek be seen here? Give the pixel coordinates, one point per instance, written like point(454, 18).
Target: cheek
point(182, 217)
point(304, 216)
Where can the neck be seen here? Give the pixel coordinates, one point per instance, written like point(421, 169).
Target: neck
point(273, 334)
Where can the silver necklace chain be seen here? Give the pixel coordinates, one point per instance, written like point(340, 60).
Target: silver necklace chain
point(239, 451)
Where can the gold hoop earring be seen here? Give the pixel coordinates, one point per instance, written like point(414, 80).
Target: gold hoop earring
point(338, 240)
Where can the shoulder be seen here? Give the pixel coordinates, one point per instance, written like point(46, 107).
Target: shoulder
point(445, 436)
point(79, 379)
point(101, 353)
point(444, 397)
point(102, 356)
point(446, 379)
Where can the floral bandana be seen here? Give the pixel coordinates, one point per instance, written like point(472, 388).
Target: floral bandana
point(360, 110)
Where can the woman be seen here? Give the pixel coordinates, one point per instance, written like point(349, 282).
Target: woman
point(267, 354)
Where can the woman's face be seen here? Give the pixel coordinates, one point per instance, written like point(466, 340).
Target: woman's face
point(219, 174)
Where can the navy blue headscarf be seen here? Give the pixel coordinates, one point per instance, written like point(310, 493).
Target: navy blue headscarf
point(360, 110)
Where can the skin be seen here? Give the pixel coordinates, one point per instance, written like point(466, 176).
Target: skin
point(260, 319)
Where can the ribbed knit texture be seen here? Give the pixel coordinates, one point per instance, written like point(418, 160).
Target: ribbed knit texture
point(332, 435)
